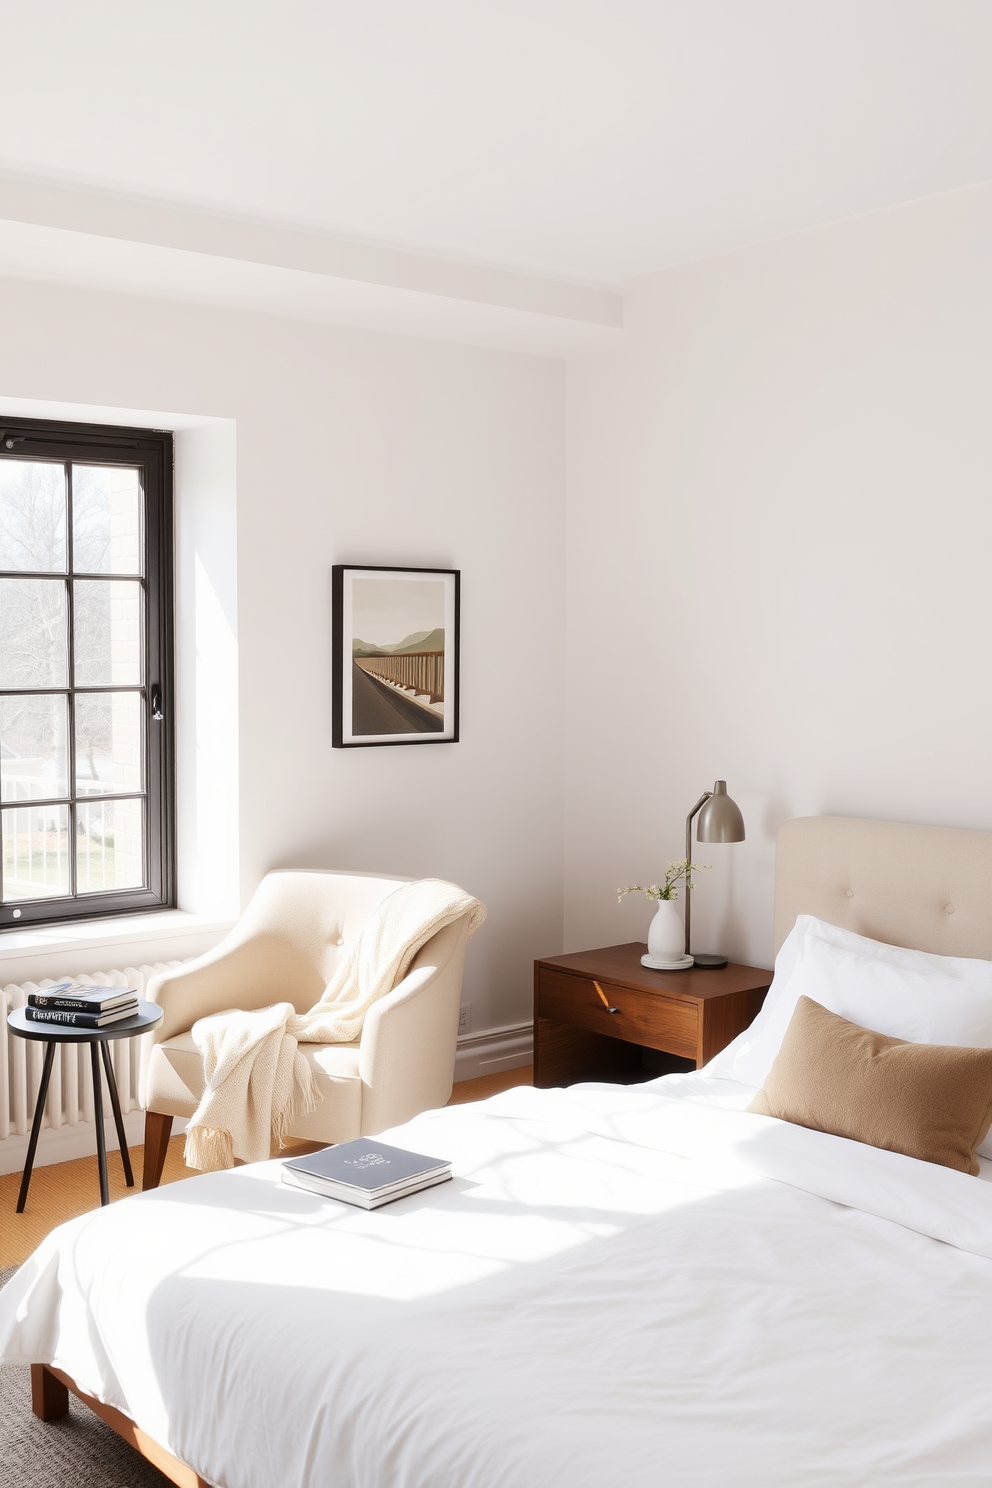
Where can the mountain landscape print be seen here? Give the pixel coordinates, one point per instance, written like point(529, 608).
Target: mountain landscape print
point(395, 655)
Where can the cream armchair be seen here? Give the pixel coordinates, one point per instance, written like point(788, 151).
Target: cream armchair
point(285, 948)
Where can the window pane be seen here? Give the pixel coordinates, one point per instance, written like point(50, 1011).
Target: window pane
point(35, 852)
point(109, 846)
point(34, 731)
point(32, 516)
point(106, 519)
point(108, 743)
point(33, 633)
point(107, 632)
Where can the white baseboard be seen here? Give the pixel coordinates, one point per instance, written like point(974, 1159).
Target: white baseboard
point(64, 1143)
point(498, 1049)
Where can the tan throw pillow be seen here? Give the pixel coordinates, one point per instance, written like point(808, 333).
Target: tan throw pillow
point(932, 1101)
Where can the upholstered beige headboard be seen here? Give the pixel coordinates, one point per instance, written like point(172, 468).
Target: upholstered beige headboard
point(929, 888)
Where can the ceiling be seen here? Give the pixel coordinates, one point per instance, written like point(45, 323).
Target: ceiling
point(526, 156)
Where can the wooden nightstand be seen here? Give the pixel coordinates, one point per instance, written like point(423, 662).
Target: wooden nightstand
point(601, 1015)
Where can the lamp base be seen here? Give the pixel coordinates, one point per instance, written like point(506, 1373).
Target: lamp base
point(708, 963)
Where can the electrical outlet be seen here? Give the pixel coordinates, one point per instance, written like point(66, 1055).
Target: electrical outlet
point(465, 1018)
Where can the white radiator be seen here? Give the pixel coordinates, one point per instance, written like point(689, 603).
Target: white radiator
point(70, 1093)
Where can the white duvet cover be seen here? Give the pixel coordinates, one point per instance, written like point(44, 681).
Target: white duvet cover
point(620, 1286)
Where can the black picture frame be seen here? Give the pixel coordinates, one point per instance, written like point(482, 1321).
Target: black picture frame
point(399, 682)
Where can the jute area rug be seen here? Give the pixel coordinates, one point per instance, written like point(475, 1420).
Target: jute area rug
point(76, 1452)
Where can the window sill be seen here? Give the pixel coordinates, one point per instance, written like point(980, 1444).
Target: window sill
point(84, 938)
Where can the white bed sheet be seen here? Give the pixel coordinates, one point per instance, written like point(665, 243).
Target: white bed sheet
point(644, 1286)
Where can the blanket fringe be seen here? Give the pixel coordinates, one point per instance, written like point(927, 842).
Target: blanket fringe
point(305, 1098)
point(208, 1148)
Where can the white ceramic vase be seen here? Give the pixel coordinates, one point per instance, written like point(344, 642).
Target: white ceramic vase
point(666, 935)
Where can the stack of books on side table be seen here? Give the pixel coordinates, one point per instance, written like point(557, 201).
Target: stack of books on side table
point(365, 1173)
point(81, 1004)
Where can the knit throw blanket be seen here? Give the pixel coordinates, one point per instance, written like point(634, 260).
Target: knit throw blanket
point(257, 1081)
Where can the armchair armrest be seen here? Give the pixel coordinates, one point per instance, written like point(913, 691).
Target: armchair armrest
point(407, 1055)
point(244, 971)
point(247, 970)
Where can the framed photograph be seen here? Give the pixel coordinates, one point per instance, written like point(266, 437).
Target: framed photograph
point(395, 648)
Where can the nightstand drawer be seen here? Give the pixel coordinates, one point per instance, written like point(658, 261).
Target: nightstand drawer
point(647, 1018)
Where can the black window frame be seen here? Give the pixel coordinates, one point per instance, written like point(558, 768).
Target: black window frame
point(152, 451)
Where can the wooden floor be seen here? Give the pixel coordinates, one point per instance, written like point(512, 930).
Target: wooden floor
point(471, 1090)
point(63, 1190)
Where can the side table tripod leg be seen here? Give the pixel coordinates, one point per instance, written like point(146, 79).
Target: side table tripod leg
point(115, 1102)
point(39, 1111)
point(101, 1135)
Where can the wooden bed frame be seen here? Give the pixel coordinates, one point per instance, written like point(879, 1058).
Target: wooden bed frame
point(50, 1401)
point(928, 888)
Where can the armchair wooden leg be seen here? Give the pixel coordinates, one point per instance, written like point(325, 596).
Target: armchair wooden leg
point(49, 1396)
point(158, 1129)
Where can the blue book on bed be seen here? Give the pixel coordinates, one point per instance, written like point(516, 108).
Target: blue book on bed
point(365, 1173)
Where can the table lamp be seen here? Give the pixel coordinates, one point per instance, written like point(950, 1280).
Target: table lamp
point(720, 820)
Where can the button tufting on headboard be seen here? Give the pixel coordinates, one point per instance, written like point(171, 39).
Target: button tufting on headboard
point(929, 888)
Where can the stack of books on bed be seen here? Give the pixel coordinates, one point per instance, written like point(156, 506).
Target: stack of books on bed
point(81, 1004)
point(365, 1173)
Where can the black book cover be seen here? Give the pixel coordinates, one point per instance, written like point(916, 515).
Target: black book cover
point(78, 1020)
point(84, 999)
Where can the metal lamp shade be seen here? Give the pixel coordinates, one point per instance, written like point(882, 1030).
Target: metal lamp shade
point(720, 819)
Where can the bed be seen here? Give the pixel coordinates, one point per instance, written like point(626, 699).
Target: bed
point(646, 1285)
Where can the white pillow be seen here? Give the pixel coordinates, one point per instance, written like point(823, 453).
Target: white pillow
point(914, 995)
point(964, 967)
point(878, 950)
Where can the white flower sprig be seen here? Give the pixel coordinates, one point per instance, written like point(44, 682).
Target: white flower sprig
point(674, 873)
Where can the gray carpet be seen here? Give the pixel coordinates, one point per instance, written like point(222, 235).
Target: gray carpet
point(76, 1452)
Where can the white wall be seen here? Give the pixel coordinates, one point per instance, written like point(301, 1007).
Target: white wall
point(357, 447)
point(779, 524)
point(777, 548)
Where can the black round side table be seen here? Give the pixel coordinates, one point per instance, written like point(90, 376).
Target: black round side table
point(51, 1034)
